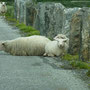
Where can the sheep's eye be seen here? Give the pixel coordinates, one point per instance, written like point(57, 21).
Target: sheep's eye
point(65, 41)
point(3, 44)
point(62, 37)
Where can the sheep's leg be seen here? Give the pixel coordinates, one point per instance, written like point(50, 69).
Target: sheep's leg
point(51, 55)
point(63, 54)
point(45, 54)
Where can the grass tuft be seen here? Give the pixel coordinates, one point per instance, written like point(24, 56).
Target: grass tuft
point(80, 64)
point(88, 73)
point(70, 57)
point(74, 61)
point(27, 29)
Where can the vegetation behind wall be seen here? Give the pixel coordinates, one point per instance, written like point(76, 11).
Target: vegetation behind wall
point(70, 3)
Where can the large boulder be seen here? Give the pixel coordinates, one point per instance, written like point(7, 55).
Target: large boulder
point(31, 12)
point(49, 18)
point(17, 9)
point(80, 34)
point(75, 27)
point(68, 13)
point(86, 34)
point(21, 10)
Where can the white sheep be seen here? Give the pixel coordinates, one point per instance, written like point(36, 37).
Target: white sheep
point(3, 8)
point(56, 48)
point(25, 46)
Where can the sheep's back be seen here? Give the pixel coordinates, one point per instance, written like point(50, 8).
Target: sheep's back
point(34, 45)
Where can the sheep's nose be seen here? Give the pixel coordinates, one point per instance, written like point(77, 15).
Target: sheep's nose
point(61, 46)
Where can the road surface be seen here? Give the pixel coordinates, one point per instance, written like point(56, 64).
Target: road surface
point(33, 72)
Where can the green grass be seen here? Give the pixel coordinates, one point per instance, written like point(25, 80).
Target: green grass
point(88, 73)
point(68, 3)
point(27, 29)
point(80, 64)
point(11, 19)
point(33, 33)
point(70, 57)
point(9, 15)
point(10, 12)
point(74, 61)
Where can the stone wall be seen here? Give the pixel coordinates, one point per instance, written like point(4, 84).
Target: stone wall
point(80, 34)
point(21, 10)
point(86, 34)
point(68, 13)
point(53, 18)
point(75, 28)
point(50, 18)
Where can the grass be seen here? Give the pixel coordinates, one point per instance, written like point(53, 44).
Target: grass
point(68, 3)
point(80, 64)
point(88, 73)
point(74, 62)
point(9, 15)
point(27, 29)
point(70, 57)
point(10, 19)
point(10, 11)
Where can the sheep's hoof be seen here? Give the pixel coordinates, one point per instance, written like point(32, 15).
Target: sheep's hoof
point(44, 54)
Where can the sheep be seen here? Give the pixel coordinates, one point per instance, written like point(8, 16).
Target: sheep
point(3, 8)
point(25, 46)
point(56, 48)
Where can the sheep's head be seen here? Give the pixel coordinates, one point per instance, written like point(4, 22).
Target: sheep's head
point(61, 42)
point(2, 46)
point(60, 36)
point(3, 3)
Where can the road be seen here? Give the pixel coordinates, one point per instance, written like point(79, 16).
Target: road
point(33, 72)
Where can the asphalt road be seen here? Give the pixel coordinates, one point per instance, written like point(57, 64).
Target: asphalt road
point(33, 72)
